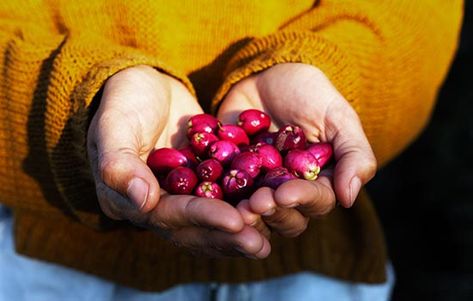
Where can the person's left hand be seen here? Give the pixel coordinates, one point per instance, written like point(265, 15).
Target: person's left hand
point(302, 95)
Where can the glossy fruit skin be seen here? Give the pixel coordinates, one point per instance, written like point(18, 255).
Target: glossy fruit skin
point(233, 133)
point(192, 160)
point(165, 159)
point(250, 162)
point(265, 137)
point(200, 143)
point(209, 170)
point(290, 137)
point(237, 184)
point(275, 177)
point(181, 180)
point(271, 158)
point(202, 123)
point(323, 152)
point(223, 151)
point(254, 121)
point(209, 190)
point(302, 164)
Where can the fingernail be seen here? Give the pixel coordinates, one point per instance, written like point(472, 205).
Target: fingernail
point(269, 212)
point(138, 192)
point(355, 186)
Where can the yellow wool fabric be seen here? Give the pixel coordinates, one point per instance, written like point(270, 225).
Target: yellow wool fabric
point(388, 58)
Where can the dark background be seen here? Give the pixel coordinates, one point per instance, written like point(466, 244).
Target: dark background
point(425, 196)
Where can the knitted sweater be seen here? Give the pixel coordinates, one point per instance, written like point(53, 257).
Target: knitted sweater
point(388, 58)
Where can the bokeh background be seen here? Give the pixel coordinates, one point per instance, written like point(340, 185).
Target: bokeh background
point(425, 196)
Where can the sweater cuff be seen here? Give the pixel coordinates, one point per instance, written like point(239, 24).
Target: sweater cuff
point(292, 47)
point(69, 161)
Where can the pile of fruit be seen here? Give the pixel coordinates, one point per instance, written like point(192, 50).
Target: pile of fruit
point(231, 161)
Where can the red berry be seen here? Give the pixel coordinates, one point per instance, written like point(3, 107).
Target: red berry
point(223, 151)
point(181, 180)
point(165, 159)
point(322, 152)
point(290, 137)
point(265, 137)
point(271, 158)
point(276, 177)
point(302, 164)
point(249, 162)
point(237, 184)
point(233, 133)
point(200, 143)
point(202, 123)
point(209, 190)
point(254, 121)
point(209, 170)
point(192, 160)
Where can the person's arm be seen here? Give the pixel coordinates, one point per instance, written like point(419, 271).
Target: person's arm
point(49, 77)
point(384, 59)
point(387, 58)
point(57, 79)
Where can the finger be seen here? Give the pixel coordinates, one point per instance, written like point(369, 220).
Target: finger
point(234, 103)
point(178, 211)
point(285, 221)
point(356, 163)
point(252, 219)
point(125, 185)
point(311, 198)
point(248, 242)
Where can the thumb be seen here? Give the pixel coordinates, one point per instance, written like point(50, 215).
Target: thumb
point(126, 187)
point(355, 160)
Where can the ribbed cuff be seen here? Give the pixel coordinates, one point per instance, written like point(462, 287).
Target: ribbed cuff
point(291, 47)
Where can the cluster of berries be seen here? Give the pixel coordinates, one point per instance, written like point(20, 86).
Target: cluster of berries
point(231, 161)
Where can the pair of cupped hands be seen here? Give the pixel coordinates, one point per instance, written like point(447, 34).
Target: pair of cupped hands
point(142, 109)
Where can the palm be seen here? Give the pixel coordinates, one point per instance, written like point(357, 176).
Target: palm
point(142, 109)
point(302, 95)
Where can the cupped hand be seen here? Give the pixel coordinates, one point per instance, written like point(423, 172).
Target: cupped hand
point(142, 109)
point(301, 94)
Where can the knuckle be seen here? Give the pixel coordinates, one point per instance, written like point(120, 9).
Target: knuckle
point(371, 167)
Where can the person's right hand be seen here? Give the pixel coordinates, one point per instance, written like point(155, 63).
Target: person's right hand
point(142, 109)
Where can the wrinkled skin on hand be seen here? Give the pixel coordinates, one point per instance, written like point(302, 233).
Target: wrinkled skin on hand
point(142, 109)
point(301, 94)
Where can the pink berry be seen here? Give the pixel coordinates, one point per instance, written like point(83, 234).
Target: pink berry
point(223, 151)
point(165, 159)
point(290, 137)
point(181, 180)
point(209, 190)
point(233, 133)
point(275, 177)
point(202, 123)
point(200, 143)
point(322, 152)
point(302, 164)
point(249, 162)
point(209, 170)
point(254, 121)
point(192, 160)
point(237, 184)
point(270, 155)
point(265, 137)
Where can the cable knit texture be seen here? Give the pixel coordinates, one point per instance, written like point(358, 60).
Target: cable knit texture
point(388, 58)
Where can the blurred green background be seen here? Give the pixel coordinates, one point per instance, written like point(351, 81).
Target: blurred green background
point(425, 196)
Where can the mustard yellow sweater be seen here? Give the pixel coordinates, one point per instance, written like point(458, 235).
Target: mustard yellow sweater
point(388, 58)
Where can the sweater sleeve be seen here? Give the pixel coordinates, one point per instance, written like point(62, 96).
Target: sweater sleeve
point(388, 58)
point(49, 77)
